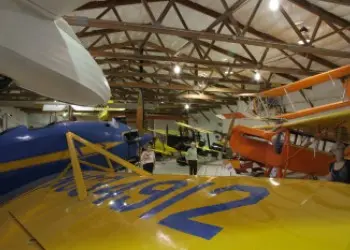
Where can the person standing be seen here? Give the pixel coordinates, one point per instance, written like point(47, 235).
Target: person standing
point(148, 159)
point(192, 159)
point(339, 170)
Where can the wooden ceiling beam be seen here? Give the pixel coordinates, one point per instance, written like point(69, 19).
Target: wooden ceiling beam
point(167, 77)
point(324, 14)
point(215, 14)
point(250, 66)
point(144, 85)
point(193, 34)
point(343, 2)
point(196, 6)
point(103, 4)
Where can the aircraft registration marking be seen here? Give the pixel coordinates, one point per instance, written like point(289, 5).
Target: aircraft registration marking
point(181, 220)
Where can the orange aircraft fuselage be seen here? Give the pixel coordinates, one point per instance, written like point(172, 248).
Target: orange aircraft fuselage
point(255, 145)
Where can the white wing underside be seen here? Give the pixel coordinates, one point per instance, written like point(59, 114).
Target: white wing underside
point(40, 51)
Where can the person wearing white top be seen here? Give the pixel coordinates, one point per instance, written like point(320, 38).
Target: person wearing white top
point(148, 159)
point(192, 159)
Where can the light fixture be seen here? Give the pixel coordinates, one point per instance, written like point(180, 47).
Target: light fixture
point(301, 42)
point(177, 69)
point(54, 107)
point(65, 114)
point(82, 108)
point(201, 84)
point(187, 106)
point(257, 76)
point(274, 5)
point(162, 102)
point(86, 108)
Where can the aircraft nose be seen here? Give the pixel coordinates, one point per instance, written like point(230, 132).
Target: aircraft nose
point(146, 138)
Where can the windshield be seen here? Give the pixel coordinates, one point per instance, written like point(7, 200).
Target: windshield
point(131, 136)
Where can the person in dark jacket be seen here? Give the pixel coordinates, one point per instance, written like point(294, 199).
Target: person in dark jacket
point(339, 171)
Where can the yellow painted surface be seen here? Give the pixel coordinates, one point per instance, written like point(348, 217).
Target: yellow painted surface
point(312, 125)
point(163, 131)
point(106, 154)
point(331, 120)
point(47, 158)
point(163, 148)
point(296, 214)
point(201, 130)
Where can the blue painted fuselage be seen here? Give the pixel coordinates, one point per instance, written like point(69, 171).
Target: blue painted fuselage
point(29, 154)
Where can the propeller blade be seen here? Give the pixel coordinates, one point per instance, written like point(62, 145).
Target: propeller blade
point(208, 139)
point(140, 114)
point(166, 133)
point(181, 132)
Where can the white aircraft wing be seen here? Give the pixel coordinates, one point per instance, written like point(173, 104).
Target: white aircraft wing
point(41, 53)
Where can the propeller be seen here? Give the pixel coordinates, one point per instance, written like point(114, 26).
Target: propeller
point(140, 114)
point(140, 118)
point(208, 139)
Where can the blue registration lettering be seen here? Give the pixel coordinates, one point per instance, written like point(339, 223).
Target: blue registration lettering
point(174, 199)
point(152, 192)
point(113, 191)
point(181, 221)
point(73, 192)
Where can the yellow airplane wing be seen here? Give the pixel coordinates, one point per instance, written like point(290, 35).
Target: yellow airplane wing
point(124, 211)
point(201, 130)
point(163, 148)
point(163, 132)
point(206, 148)
point(328, 124)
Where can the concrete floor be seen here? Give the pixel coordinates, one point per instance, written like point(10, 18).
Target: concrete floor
point(205, 168)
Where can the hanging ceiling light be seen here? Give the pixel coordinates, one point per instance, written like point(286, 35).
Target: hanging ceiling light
point(301, 42)
point(305, 33)
point(177, 69)
point(187, 106)
point(201, 84)
point(274, 5)
point(257, 76)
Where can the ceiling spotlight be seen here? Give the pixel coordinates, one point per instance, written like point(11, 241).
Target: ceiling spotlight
point(201, 85)
point(274, 5)
point(187, 106)
point(257, 76)
point(301, 42)
point(177, 69)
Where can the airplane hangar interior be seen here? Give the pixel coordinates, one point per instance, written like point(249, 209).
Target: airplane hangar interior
point(174, 124)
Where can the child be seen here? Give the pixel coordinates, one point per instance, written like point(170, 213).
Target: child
point(148, 159)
